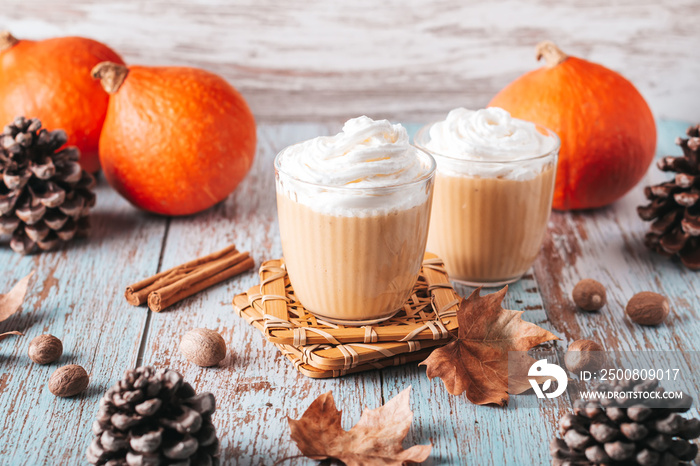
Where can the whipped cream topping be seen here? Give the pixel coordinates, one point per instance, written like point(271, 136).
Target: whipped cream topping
point(366, 156)
point(366, 153)
point(489, 135)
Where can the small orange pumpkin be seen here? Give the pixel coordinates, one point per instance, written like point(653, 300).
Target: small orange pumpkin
point(607, 131)
point(50, 80)
point(175, 140)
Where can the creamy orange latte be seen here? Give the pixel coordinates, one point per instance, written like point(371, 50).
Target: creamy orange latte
point(493, 193)
point(353, 212)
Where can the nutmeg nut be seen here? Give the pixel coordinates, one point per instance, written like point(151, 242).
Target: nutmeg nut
point(68, 380)
point(647, 308)
point(584, 355)
point(589, 294)
point(203, 347)
point(45, 349)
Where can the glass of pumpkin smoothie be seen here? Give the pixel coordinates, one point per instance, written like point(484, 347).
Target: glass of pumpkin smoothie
point(493, 193)
point(354, 211)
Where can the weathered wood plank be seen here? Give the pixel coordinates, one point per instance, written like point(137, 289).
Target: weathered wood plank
point(319, 60)
point(255, 386)
point(607, 245)
point(76, 295)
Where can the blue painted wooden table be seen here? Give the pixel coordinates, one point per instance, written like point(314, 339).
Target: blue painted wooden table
point(77, 295)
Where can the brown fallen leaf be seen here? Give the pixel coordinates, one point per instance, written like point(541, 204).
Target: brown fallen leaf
point(375, 440)
point(477, 361)
point(7, 334)
point(11, 302)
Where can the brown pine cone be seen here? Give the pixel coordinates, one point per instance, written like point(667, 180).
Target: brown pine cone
point(154, 417)
point(675, 205)
point(45, 197)
point(621, 431)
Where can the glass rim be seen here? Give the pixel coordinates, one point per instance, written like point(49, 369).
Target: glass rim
point(423, 153)
point(425, 130)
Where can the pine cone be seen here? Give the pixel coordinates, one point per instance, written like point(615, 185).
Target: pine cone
point(675, 205)
point(154, 417)
point(45, 196)
point(626, 432)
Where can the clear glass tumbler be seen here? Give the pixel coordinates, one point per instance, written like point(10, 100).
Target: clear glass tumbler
point(353, 254)
point(489, 218)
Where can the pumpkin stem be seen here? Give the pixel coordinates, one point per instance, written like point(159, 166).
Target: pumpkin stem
point(111, 75)
point(7, 40)
point(551, 53)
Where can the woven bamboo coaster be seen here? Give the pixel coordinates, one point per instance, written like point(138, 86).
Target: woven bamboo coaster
point(320, 361)
point(315, 373)
point(334, 357)
point(321, 349)
point(429, 314)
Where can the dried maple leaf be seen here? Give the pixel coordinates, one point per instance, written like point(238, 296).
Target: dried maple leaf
point(11, 302)
point(477, 361)
point(375, 440)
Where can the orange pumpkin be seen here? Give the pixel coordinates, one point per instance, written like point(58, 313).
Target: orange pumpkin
point(175, 140)
point(50, 80)
point(607, 131)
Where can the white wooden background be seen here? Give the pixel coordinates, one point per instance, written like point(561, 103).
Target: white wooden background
point(409, 60)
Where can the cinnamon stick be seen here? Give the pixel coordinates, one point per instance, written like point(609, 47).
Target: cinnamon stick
point(165, 297)
point(170, 286)
point(137, 293)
